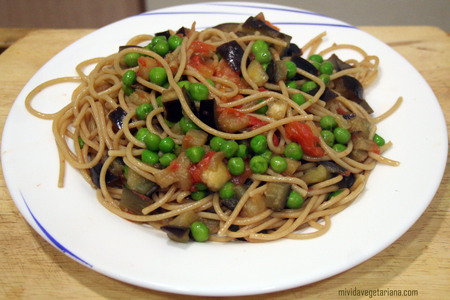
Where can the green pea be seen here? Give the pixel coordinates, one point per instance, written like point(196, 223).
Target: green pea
point(174, 41)
point(80, 142)
point(292, 85)
point(199, 195)
point(152, 141)
point(158, 76)
point(242, 151)
point(262, 110)
point(265, 66)
point(236, 166)
point(184, 83)
point(333, 194)
point(211, 82)
point(143, 110)
point(195, 154)
point(278, 164)
point(216, 143)
point(317, 58)
point(293, 151)
point(129, 77)
point(131, 59)
point(162, 48)
point(328, 122)
point(166, 159)
point(227, 191)
point(339, 147)
point(201, 186)
point(157, 39)
point(325, 78)
point(128, 90)
point(309, 86)
point(169, 123)
point(295, 200)
point(259, 46)
point(378, 140)
point(316, 64)
point(166, 145)
point(342, 135)
point(258, 164)
point(328, 137)
point(267, 155)
point(292, 69)
point(142, 133)
point(298, 98)
point(187, 124)
point(258, 144)
point(159, 101)
point(199, 231)
point(150, 157)
point(326, 68)
point(263, 56)
point(230, 148)
point(198, 91)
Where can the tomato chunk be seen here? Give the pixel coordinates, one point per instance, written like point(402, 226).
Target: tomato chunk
point(303, 135)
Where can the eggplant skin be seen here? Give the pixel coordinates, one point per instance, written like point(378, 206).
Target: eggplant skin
point(350, 88)
point(116, 117)
point(95, 175)
point(207, 113)
point(232, 52)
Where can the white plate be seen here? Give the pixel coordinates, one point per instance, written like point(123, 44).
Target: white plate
point(73, 221)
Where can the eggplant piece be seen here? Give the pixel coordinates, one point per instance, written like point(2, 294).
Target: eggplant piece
point(277, 71)
point(305, 65)
point(327, 94)
point(350, 88)
point(253, 24)
point(207, 113)
point(333, 167)
point(349, 116)
point(257, 73)
point(228, 27)
point(95, 175)
point(315, 175)
point(134, 202)
point(116, 117)
point(178, 234)
point(128, 46)
point(140, 184)
point(276, 195)
point(232, 52)
point(347, 181)
point(338, 64)
point(173, 110)
point(239, 191)
point(163, 33)
point(183, 31)
point(230, 203)
point(292, 50)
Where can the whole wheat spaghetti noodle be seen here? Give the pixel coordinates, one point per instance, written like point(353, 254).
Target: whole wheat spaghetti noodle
point(223, 134)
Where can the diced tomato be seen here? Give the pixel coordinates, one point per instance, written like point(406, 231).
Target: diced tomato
point(238, 180)
point(196, 169)
point(232, 120)
point(275, 140)
point(201, 47)
point(200, 64)
point(255, 123)
point(223, 70)
point(145, 65)
point(303, 135)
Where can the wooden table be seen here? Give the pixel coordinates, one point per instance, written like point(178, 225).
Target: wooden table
point(419, 260)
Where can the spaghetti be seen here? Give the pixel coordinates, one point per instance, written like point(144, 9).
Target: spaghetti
point(222, 134)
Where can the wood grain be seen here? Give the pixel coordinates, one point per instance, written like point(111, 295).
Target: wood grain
point(419, 260)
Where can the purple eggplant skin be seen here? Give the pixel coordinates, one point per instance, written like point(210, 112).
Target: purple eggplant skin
point(277, 71)
point(95, 175)
point(347, 181)
point(116, 117)
point(177, 233)
point(228, 27)
point(182, 31)
point(350, 88)
point(292, 50)
point(305, 65)
point(333, 167)
point(327, 94)
point(232, 52)
point(207, 112)
point(163, 33)
point(253, 24)
point(128, 46)
point(338, 64)
point(173, 109)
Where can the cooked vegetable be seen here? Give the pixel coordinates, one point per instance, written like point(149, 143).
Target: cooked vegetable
point(232, 52)
point(278, 164)
point(276, 195)
point(133, 201)
point(277, 71)
point(295, 200)
point(315, 175)
point(178, 234)
point(257, 73)
point(116, 117)
point(350, 88)
point(199, 231)
point(207, 113)
point(140, 184)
